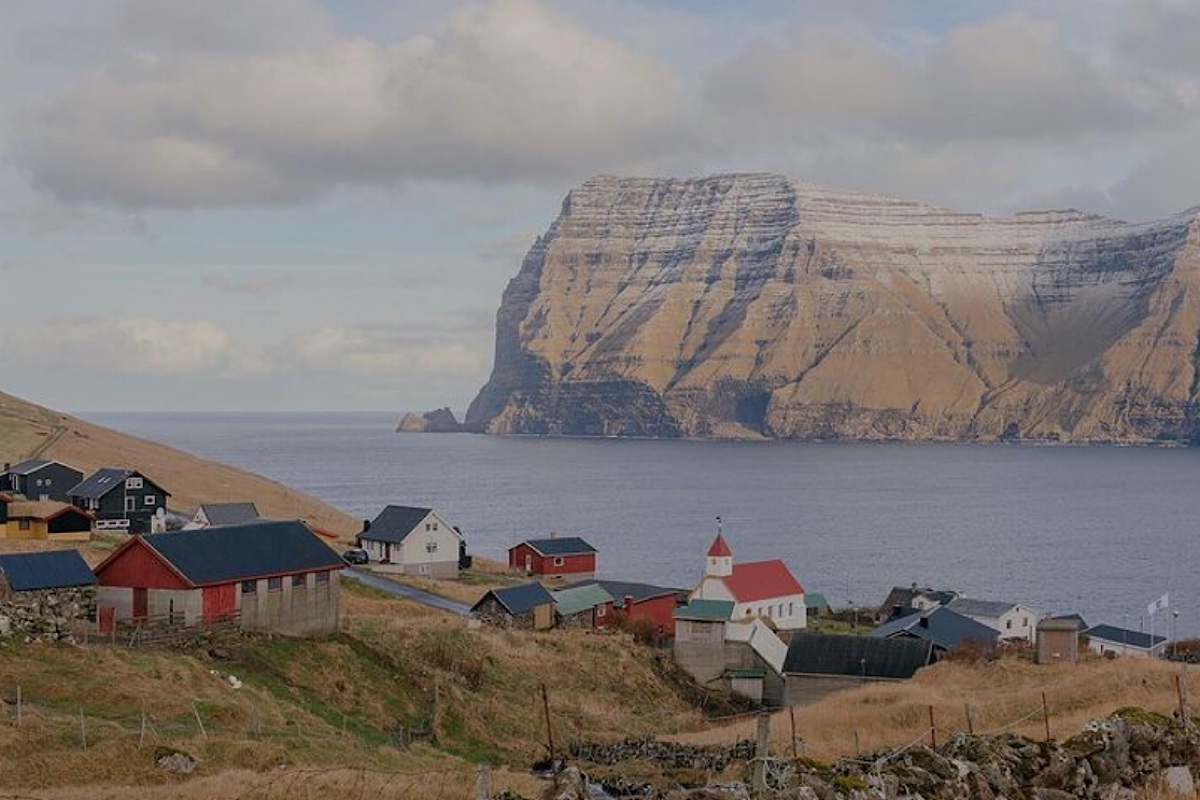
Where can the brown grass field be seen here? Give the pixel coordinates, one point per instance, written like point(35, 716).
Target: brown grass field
point(1000, 693)
point(28, 431)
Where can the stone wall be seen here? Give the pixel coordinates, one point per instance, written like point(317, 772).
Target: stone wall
point(49, 615)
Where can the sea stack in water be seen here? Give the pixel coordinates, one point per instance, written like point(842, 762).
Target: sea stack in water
point(750, 305)
point(441, 420)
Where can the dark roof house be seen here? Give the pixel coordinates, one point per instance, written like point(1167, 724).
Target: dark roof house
point(1133, 640)
point(395, 523)
point(215, 514)
point(970, 607)
point(640, 592)
point(39, 479)
point(101, 482)
point(54, 569)
point(519, 599)
point(856, 656)
point(560, 546)
point(940, 626)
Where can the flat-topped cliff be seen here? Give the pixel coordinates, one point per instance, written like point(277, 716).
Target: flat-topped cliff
point(750, 305)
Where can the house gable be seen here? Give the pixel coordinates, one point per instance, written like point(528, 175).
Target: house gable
point(137, 564)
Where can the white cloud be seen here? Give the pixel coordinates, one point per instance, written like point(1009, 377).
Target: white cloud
point(510, 91)
point(385, 352)
point(139, 346)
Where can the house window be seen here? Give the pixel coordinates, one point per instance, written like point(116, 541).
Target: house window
point(1008, 625)
point(148, 500)
point(431, 547)
point(558, 561)
point(323, 577)
point(133, 483)
point(601, 611)
point(747, 612)
point(791, 609)
point(435, 526)
point(23, 524)
point(1025, 622)
point(274, 584)
point(428, 526)
point(249, 587)
point(300, 581)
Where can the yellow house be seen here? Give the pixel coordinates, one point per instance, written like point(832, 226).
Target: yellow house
point(48, 520)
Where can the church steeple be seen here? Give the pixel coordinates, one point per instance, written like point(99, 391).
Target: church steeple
point(720, 556)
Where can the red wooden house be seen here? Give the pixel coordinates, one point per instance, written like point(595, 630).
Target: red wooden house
point(644, 601)
point(272, 576)
point(556, 557)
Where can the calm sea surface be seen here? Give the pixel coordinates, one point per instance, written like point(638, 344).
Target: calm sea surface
point(1100, 530)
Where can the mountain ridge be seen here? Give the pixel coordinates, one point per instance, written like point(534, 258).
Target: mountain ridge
point(748, 305)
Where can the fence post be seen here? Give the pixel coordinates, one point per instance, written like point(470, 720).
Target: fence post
point(549, 728)
point(483, 782)
point(1046, 715)
point(761, 750)
point(142, 733)
point(857, 747)
point(792, 717)
point(932, 730)
point(82, 729)
point(19, 705)
point(970, 722)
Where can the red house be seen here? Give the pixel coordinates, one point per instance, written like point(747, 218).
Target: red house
point(554, 557)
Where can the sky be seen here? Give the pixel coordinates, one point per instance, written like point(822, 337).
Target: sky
point(297, 205)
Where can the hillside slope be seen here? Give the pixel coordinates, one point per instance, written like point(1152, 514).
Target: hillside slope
point(749, 305)
point(28, 430)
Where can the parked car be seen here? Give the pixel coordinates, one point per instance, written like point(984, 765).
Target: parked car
point(356, 555)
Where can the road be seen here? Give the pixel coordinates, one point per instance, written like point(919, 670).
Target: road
point(408, 592)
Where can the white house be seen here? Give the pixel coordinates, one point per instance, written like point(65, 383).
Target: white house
point(757, 589)
point(1012, 620)
point(1109, 640)
point(412, 541)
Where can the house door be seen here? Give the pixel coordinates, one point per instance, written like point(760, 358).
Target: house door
point(141, 601)
point(528, 563)
point(387, 553)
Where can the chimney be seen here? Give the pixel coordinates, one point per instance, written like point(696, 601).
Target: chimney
point(366, 525)
point(553, 534)
point(628, 602)
point(924, 623)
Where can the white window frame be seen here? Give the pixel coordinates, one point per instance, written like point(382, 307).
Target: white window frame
point(130, 503)
point(149, 500)
point(133, 483)
point(559, 561)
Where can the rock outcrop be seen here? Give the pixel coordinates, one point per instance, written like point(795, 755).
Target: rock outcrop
point(752, 306)
point(441, 420)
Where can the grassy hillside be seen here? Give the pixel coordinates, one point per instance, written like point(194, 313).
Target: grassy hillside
point(329, 713)
point(28, 430)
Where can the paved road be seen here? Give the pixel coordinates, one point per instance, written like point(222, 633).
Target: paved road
point(408, 592)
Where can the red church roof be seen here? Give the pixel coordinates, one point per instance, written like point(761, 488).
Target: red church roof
point(719, 548)
point(761, 580)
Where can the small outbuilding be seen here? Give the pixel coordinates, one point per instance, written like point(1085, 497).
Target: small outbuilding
point(276, 577)
point(45, 595)
point(1058, 639)
point(46, 520)
point(554, 557)
point(583, 607)
point(212, 515)
point(528, 606)
point(1109, 640)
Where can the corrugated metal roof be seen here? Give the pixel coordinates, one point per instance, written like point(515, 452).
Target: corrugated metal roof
point(638, 591)
point(519, 599)
point(1121, 636)
point(832, 654)
point(242, 552)
point(560, 546)
point(706, 610)
point(980, 608)
point(395, 523)
point(54, 569)
point(815, 600)
point(579, 598)
point(26, 467)
point(941, 626)
point(229, 513)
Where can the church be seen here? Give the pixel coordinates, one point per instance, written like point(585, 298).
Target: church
point(757, 589)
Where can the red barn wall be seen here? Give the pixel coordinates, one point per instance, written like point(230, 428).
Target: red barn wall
point(138, 566)
point(658, 609)
point(544, 565)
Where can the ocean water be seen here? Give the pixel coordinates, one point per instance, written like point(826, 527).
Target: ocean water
point(1098, 530)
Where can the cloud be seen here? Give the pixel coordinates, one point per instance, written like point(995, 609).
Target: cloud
point(1162, 34)
point(128, 346)
point(386, 351)
point(249, 282)
point(509, 92)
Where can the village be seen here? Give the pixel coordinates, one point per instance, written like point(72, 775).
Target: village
point(745, 628)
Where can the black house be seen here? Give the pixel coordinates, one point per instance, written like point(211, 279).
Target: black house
point(40, 480)
point(123, 500)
